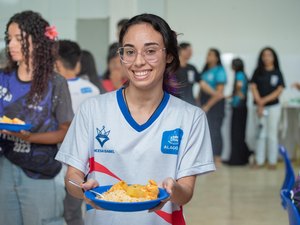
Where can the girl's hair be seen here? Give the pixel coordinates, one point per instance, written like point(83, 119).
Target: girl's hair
point(260, 63)
point(218, 55)
point(112, 53)
point(170, 41)
point(88, 67)
point(31, 24)
point(237, 65)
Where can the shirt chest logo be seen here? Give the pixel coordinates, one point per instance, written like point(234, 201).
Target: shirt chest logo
point(210, 77)
point(102, 136)
point(171, 141)
point(274, 80)
point(4, 93)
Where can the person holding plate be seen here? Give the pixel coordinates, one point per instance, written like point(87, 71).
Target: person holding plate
point(32, 189)
point(140, 131)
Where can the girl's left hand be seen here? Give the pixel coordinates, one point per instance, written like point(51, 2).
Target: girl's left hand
point(23, 134)
point(168, 184)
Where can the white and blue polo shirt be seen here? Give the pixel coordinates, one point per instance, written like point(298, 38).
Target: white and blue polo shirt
point(105, 143)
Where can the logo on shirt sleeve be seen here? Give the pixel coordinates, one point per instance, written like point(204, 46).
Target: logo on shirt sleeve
point(102, 136)
point(86, 90)
point(171, 141)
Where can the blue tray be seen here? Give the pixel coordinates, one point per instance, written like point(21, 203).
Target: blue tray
point(14, 127)
point(125, 206)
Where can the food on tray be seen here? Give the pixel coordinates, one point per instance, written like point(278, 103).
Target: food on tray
point(122, 192)
point(6, 119)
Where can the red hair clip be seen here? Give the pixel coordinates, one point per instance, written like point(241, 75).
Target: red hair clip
point(51, 32)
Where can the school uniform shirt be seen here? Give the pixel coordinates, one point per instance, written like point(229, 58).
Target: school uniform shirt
point(267, 82)
point(237, 101)
point(36, 160)
point(81, 90)
point(105, 143)
point(186, 77)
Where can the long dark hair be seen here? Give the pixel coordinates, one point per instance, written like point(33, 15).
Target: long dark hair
point(260, 63)
point(218, 55)
point(170, 41)
point(112, 53)
point(88, 67)
point(237, 65)
point(44, 49)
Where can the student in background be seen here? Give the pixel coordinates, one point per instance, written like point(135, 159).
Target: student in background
point(114, 77)
point(32, 189)
point(239, 149)
point(213, 80)
point(187, 74)
point(3, 59)
point(88, 69)
point(120, 24)
point(267, 84)
point(296, 85)
point(68, 65)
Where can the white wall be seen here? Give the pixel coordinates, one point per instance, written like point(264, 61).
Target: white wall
point(236, 27)
point(61, 13)
point(240, 27)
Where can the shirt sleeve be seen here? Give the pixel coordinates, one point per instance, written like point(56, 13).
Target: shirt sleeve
point(221, 76)
point(281, 80)
point(197, 157)
point(62, 101)
point(74, 150)
point(239, 76)
point(197, 74)
point(254, 77)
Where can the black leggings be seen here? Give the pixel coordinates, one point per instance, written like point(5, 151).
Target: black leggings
point(239, 149)
point(215, 120)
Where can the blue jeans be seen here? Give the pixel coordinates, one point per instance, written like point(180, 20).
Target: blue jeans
point(27, 201)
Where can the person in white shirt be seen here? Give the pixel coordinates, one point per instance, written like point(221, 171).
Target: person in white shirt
point(68, 65)
point(140, 131)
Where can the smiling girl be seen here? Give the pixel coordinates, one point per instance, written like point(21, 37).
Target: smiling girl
point(140, 131)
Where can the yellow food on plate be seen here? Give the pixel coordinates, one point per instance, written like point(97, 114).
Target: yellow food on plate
point(6, 119)
point(122, 192)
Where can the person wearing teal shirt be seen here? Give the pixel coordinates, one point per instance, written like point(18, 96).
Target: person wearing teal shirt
point(212, 82)
point(239, 149)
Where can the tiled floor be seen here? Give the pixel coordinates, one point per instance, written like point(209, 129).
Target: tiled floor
point(238, 196)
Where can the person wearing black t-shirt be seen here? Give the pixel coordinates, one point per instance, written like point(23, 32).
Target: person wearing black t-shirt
point(187, 74)
point(267, 84)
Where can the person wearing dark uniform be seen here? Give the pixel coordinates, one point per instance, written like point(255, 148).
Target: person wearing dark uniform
point(187, 74)
point(267, 85)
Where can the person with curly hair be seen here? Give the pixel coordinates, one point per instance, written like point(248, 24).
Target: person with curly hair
point(32, 189)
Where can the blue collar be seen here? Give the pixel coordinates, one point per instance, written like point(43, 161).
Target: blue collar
point(129, 118)
point(73, 79)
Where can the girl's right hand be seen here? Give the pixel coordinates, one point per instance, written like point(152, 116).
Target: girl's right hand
point(90, 184)
point(260, 111)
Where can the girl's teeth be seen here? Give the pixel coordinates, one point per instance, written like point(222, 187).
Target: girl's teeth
point(141, 73)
